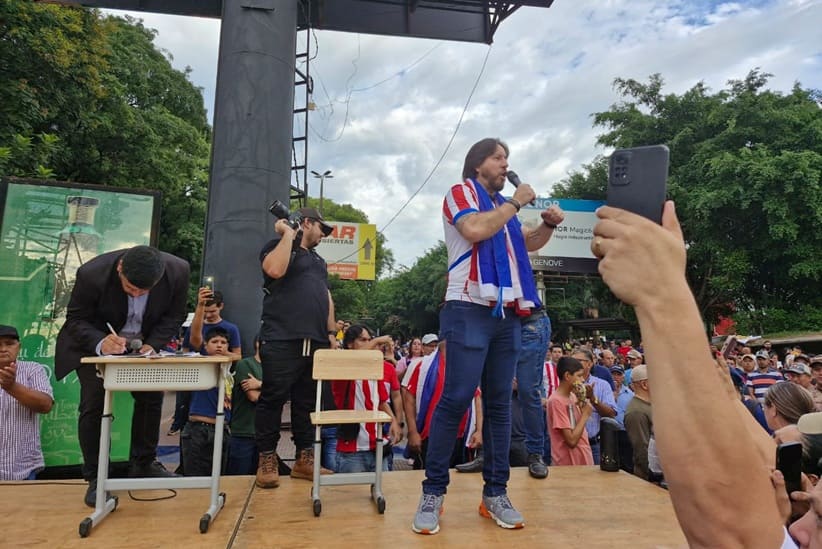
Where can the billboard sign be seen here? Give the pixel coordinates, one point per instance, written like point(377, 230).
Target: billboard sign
point(569, 250)
point(47, 230)
point(350, 250)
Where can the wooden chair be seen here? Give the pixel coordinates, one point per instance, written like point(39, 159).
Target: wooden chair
point(352, 365)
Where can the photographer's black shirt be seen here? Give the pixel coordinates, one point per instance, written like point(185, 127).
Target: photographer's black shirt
point(296, 305)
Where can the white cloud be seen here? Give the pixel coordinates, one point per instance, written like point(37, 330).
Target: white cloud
point(548, 71)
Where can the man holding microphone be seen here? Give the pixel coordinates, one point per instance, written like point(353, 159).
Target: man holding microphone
point(490, 288)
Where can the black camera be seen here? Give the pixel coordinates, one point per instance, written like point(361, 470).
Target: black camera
point(281, 211)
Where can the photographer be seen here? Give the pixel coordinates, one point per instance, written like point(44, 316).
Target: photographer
point(297, 319)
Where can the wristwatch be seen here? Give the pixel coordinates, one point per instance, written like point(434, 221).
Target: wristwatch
point(332, 333)
point(595, 400)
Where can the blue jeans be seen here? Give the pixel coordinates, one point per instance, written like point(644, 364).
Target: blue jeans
point(481, 351)
point(595, 452)
point(329, 446)
point(364, 461)
point(536, 335)
point(242, 456)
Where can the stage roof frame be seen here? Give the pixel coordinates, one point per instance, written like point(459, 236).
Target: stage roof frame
point(456, 20)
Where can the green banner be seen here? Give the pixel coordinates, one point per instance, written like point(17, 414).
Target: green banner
point(47, 230)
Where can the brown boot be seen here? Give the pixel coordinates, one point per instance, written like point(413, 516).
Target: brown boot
point(267, 474)
point(304, 466)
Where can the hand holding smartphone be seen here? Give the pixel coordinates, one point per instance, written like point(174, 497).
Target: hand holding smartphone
point(637, 180)
point(789, 461)
point(729, 346)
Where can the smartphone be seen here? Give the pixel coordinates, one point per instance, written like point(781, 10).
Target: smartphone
point(729, 346)
point(638, 179)
point(208, 282)
point(789, 461)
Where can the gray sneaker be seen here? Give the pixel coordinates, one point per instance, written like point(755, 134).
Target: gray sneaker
point(427, 519)
point(500, 509)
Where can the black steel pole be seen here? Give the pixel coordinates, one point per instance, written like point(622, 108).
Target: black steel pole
point(251, 154)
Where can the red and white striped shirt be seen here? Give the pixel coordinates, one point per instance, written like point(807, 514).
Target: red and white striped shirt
point(464, 281)
point(550, 381)
point(360, 397)
point(20, 451)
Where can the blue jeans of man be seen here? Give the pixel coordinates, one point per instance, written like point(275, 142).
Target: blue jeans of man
point(536, 336)
point(481, 351)
point(364, 461)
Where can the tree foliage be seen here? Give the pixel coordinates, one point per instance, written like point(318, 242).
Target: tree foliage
point(408, 303)
point(89, 98)
point(746, 174)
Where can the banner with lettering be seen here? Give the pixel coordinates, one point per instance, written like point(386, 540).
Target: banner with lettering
point(47, 230)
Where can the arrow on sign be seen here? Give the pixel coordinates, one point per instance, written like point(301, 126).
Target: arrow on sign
point(367, 249)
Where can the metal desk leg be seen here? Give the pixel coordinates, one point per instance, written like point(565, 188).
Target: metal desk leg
point(217, 497)
point(103, 506)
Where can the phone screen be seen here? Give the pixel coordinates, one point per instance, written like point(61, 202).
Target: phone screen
point(789, 461)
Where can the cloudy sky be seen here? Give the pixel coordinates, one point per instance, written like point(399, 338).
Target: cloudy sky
point(546, 73)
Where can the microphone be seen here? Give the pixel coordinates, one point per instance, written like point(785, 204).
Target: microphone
point(134, 345)
point(513, 178)
point(515, 181)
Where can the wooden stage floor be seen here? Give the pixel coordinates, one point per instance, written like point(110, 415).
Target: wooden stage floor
point(576, 507)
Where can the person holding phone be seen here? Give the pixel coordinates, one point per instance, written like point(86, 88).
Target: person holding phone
point(643, 263)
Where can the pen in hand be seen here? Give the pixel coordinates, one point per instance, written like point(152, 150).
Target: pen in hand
point(115, 346)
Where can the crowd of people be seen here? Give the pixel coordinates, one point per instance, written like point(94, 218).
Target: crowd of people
point(487, 392)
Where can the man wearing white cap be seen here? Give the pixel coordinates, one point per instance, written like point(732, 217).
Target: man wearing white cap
point(429, 344)
point(638, 421)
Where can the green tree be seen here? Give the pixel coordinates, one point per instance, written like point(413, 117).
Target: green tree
point(408, 303)
point(746, 174)
point(89, 98)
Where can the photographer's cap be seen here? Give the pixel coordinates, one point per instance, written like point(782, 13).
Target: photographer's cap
point(9, 331)
point(312, 213)
point(429, 339)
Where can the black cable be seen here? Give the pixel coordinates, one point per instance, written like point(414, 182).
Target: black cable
point(442, 156)
point(447, 147)
point(172, 496)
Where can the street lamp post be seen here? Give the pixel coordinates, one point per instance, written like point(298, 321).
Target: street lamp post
point(322, 177)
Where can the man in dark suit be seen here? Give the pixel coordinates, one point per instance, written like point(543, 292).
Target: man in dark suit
point(141, 292)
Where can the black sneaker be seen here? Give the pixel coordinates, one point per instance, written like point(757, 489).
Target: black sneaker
point(153, 469)
point(536, 466)
point(91, 494)
point(472, 466)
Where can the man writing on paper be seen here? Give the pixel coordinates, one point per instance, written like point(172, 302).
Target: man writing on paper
point(141, 293)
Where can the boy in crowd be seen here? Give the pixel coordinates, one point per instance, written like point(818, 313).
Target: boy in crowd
point(206, 316)
point(197, 438)
point(567, 417)
point(248, 375)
